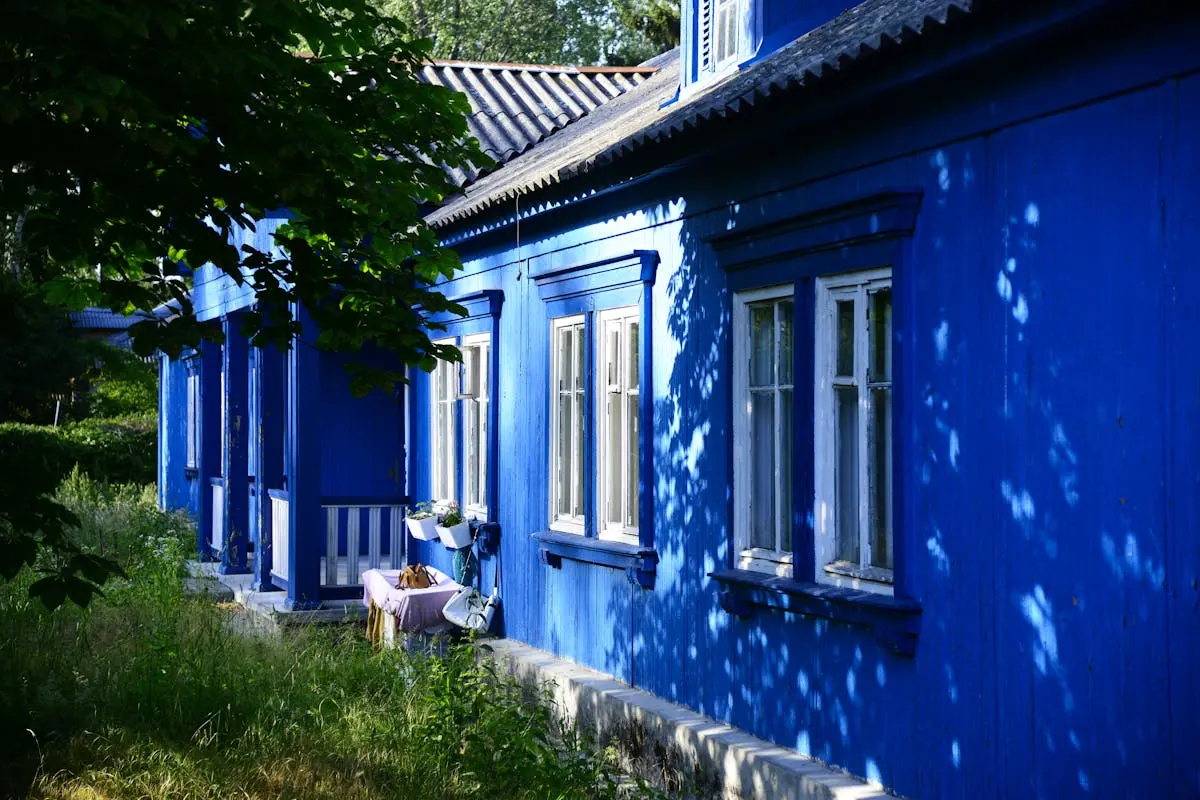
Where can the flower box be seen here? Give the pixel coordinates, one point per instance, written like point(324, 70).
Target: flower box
point(423, 528)
point(455, 536)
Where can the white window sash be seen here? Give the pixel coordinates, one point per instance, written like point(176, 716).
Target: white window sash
point(476, 384)
point(774, 561)
point(617, 373)
point(193, 421)
point(855, 287)
point(443, 429)
point(577, 391)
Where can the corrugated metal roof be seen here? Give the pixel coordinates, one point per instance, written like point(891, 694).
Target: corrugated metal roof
point(516, 106)
point(101, 319)
point(638, 118)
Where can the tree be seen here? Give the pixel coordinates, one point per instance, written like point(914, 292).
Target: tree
point(542, 31)
point(140, 134)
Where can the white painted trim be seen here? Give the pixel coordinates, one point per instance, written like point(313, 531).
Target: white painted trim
point(572, 523)
point(476, 350)
point(442, 454)
point(615, 378)
point(775, 562)
point(853, 286)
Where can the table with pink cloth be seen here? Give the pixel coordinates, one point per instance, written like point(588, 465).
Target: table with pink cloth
point(413, 609)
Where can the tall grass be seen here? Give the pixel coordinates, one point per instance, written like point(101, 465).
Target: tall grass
point(151, 693)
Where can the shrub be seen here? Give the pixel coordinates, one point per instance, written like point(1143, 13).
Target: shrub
point(120, 450)
point(123, 385)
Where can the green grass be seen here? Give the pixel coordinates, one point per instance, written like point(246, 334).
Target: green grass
point(149, 693)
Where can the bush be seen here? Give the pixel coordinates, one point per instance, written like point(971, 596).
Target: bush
point(119, 450)
point(148, 693)
point(123, 385)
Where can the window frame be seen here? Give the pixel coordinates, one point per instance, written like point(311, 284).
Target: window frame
point(443, 461)
point(192, 401)
point(569, 523)
point(776, 561)
point(480, 395)
point(828, 569)
point(627, 317)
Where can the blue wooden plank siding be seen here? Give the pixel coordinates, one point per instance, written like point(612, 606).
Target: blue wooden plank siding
point(1033, 179)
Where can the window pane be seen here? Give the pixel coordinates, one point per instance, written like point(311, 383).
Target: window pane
point(471, 443)
point(577, 453)
point(483, 452)
point(612, 364)
point(785, 470)
point(565, 376)
point(565, 429)
point(881, 537)
point(612, 457)
point(762, 470)
point(881, 335)
point(847, 475)
point(845, 337)
point(785, 342)
point(579, 357)
point(631, 486)
point(762, 342)
point(632, 349)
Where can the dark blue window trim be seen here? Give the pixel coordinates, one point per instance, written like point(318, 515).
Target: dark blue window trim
point(585, 289)
point(870, 231)
point(895, 621)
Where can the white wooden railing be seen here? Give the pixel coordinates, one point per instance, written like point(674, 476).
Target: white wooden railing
point(218, 515)
point(279, 532)
point(343, 566)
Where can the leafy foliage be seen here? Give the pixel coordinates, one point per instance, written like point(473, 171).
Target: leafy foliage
point(147, 693)
point(40, 359)
point(141, 135)
point(542, 31)
point(122, 385)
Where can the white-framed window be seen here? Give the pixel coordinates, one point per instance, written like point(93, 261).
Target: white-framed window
point(476, 393)
point(720, 32)
point(617, 419)
point(193, 418)
point(443, 394)
point(568, 404)
point(762, 420)
point(853, 434)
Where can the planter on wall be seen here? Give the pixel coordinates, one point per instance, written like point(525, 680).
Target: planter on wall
point(456, 536)
point(423, 528)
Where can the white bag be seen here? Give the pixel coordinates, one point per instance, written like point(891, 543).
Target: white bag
point(467, 608)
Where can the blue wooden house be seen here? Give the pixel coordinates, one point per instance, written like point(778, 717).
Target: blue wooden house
point(836, 380)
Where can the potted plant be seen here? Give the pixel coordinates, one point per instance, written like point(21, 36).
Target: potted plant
point(453, 528)
point(422, 523)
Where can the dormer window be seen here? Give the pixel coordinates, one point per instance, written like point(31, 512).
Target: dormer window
point(722, 35)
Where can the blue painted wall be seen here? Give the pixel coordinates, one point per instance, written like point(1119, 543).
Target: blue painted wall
point(173, 491)
point(1053, 471)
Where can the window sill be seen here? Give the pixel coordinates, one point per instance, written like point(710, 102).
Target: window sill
point(638, 562)
point(895, 622)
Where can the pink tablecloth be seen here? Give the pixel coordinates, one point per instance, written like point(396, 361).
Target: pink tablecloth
point(414, 609)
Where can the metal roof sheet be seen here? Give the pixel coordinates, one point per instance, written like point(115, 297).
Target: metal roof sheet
point(516, 106)
point(640, 117)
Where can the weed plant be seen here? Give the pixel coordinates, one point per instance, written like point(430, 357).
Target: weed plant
point(151, 693)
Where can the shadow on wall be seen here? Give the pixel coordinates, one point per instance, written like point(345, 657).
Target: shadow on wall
point(1041, 579)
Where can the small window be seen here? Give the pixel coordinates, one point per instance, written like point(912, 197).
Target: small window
point(617, 416)
point(443, 392)
point(568, 403)
point(475, 396)
point(720, 32)
point(853, 436)
point(193, 418)
point(763, 412)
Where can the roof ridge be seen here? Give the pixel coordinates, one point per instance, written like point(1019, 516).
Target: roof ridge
point(507, 65)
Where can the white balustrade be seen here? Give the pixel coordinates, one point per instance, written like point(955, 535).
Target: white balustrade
point(280, 543)
point(344, 567)
point(218, 516)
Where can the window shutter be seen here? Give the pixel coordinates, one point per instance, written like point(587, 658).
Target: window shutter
point(704, 34)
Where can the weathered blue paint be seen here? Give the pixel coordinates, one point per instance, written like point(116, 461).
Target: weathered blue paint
point(267, 389)
point(1047, 417)
point(235, 440)
point(209, 457)
point(303, 466)
point(173, 493)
